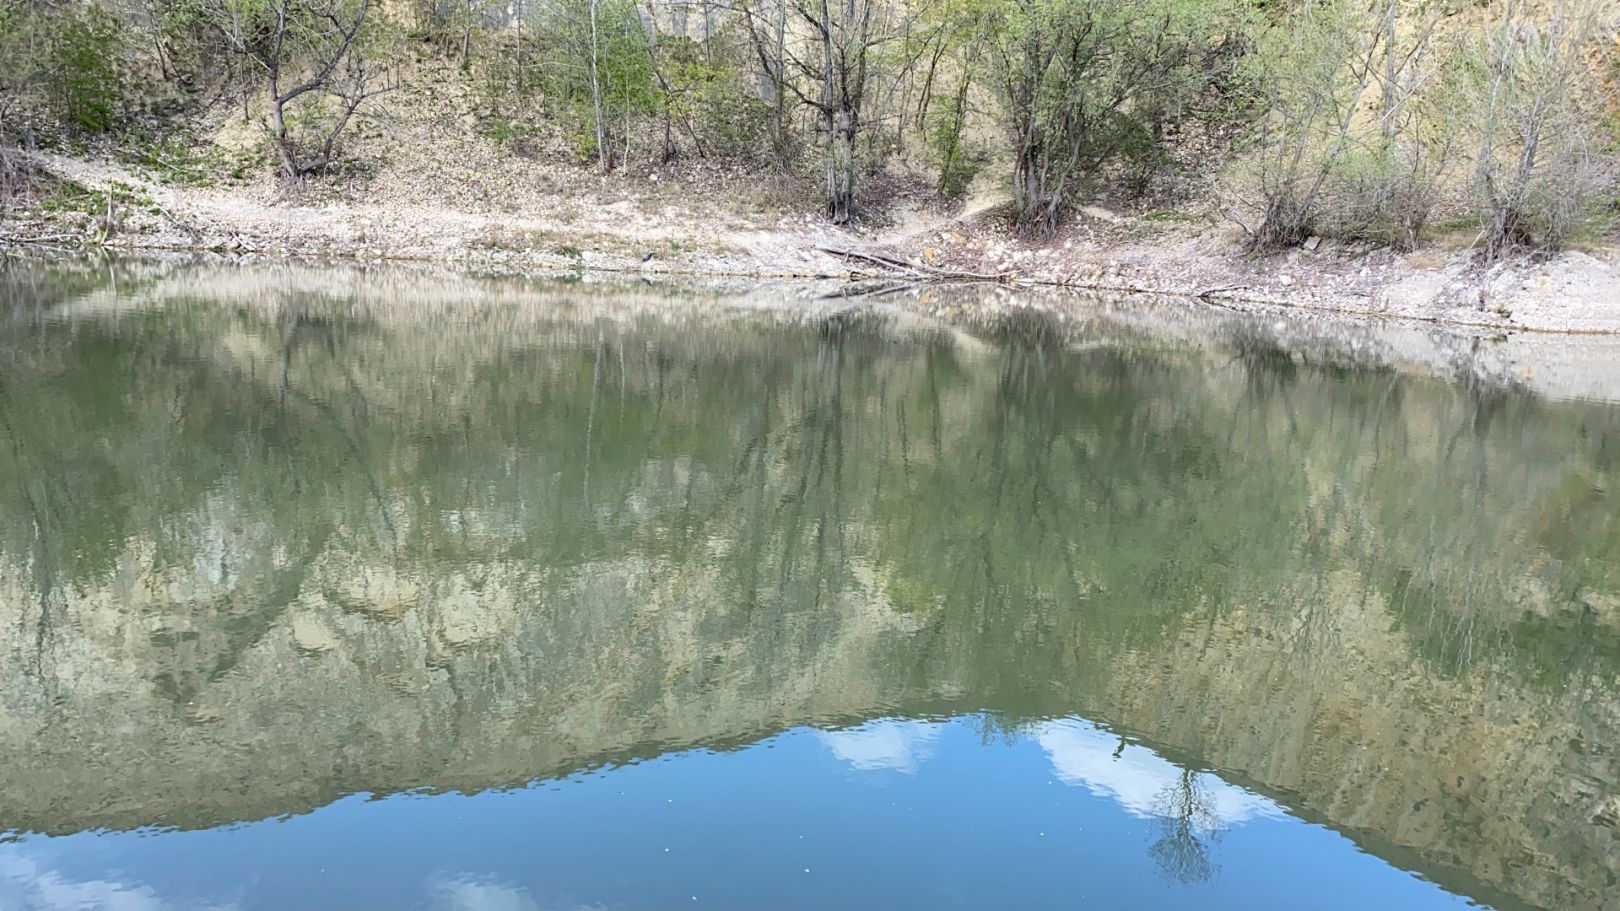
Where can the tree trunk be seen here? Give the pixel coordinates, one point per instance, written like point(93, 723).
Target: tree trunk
point(953, 146)
point(1034, 210)
point(604, 155)
point(278, 133)
point(1037, 202)
point(838, 119)
point(519, 17)
point(841, 167)
point(779, 120)
point(1391, 93)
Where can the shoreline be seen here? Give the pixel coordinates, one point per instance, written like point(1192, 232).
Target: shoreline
point(1219, 299)
point(1573, 293)
point(405, 294)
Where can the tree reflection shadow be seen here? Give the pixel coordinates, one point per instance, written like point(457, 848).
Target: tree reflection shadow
point(1187, 825)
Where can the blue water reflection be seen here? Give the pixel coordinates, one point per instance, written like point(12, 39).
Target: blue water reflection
point(891, 814)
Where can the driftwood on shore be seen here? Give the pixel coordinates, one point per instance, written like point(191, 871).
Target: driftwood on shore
point(921, 270)
point(39, 239)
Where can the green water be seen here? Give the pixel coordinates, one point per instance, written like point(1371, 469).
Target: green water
point(375, 589)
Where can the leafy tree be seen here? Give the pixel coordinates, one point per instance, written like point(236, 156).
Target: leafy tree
point(602, 74)
point(84, 82)
point(949, 41)
point(1084, 83)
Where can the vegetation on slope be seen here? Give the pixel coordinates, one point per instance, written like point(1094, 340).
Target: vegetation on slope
point(1369, 120)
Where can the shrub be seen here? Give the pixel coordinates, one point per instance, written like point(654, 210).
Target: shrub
point(956, 163)
point(1089, 82)
point(21, 63)
point(601, 72)
point(711, 102)
point(84, 82)
point(62, 60)
point(1528, 88)
point(1345, 144)
point(1383, 193)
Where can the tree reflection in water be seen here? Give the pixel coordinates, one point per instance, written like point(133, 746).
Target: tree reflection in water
point(1187, 825)
point(260, 557)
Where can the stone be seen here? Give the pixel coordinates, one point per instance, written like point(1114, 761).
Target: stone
point(311, 635)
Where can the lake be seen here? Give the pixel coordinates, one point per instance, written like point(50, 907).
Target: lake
point(376, 588)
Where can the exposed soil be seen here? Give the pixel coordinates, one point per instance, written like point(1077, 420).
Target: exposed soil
point(473, 210)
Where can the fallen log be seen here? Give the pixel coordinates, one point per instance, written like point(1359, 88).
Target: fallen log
point(915, 268)
point(863, 289)
point(1208, 294)
point(39, 238)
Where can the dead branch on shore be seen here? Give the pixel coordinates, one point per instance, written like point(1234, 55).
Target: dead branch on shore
point(863, 289)
point(921, 270)
point(186, 226)
point(1208, 293)
point(20, 239)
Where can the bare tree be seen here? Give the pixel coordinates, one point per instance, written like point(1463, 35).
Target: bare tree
point(1529, 91)
point(1186, 823)
point(827, 69)
point(306, 50)
point(766, 23)
point(844, 37)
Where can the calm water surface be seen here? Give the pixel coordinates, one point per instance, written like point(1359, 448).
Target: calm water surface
point(381, 590)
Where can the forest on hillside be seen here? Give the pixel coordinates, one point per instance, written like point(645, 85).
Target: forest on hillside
point(1362, 120)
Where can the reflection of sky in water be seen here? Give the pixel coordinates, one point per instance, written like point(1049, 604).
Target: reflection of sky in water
point(470, 893)
point(900, 746)
point(1137, 778)
point(1082, 754)
point(893, 814)
point(28, 883)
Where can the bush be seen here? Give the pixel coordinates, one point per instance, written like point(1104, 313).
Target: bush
point(1383, 194)
point(712, 103)
point(60, 60)
point(1533, 98)
point(957, 164)
point(21, 64)
point(16, 177)
point(1088, 82)
point(601, 72)
point(183, 38)
point(84, 82)
point(1346, 144)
